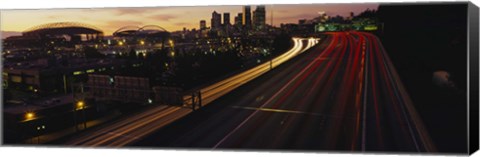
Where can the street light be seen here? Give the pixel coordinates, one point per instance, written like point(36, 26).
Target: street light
point(40, 129)
point(150, 101)
point(80, 105)
point(29, 115)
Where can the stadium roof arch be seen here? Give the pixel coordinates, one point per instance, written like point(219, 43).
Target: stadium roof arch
point(144, 31)
point(126, 31)
point(62, 28)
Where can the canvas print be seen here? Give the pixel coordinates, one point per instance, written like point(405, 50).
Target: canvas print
point(359, 77)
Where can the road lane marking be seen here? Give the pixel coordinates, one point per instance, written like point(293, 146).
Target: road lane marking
point(290, 111)
point(117, 125)
point(125, 130)
point(297, 49)
point(256, 71)
point(274, 96)
point(364, 128)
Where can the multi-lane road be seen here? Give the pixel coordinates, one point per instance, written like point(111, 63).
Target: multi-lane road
point(342, 94)
point(218, 89)
point(130, 129)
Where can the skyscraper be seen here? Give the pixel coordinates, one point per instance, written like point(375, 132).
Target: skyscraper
point(203, 25)
point(216, 21)
point(259, 17)
point(239, 20)
point(226, 19)
point(247, 17)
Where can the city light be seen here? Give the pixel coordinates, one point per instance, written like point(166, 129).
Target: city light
point(90, 70)
point(77, 72)
point(370, 27)
point(29, 116)
point(80, 105)
point(120, 43)
point(142, 42)
point(41, 127)
point(150, 101)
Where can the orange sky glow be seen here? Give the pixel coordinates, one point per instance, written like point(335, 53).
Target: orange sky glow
point(170, 18)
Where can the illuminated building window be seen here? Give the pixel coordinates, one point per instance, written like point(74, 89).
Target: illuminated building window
point(90, 70)
point(370, 28)
point(16, 79)
point(77, 72)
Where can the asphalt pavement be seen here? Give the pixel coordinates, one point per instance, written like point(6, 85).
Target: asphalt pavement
point(342, 94)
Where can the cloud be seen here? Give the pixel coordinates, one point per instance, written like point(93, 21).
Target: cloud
point(135, 11)
point(282, 11)
point(296, 17)
point(124, 11)
point(163, 17)
point(129, 11)
point(116, 24)
point(52, 17)
point(182, 24)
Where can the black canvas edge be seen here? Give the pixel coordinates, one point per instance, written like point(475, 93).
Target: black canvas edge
point(473, 82)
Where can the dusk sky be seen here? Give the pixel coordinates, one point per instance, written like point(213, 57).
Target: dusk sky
point(170, 18)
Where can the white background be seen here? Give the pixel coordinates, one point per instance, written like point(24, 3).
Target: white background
point(77, 152)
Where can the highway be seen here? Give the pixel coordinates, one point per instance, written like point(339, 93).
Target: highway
point(343, 94)
point(218, 89)
point(136, 127)
point(129, 129)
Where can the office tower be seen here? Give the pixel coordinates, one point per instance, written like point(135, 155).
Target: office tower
point(259, 18)
point(239, 20)
point(247, 17)
point(226, 19)
point(216, 21)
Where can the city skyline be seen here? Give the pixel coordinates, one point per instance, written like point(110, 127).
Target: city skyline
point(170, 18)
